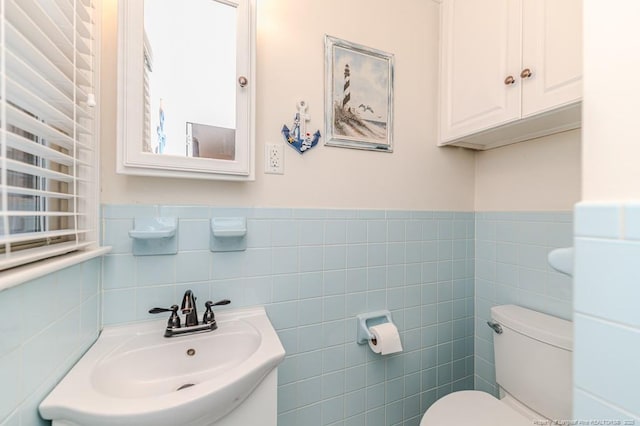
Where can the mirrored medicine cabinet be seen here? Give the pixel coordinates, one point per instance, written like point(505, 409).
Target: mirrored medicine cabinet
point(186, 88)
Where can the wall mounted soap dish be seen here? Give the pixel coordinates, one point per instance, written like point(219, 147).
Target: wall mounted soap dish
point(562, 260)
point(228, 234)
point(154, 236)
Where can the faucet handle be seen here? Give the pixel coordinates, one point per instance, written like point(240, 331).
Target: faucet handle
point(209, 316)
point(173, 308)
point(174, 319)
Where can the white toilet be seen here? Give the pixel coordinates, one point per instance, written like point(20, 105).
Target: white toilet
point(533, 372)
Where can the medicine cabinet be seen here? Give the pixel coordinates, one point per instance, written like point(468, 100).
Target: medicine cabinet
point(186, 88)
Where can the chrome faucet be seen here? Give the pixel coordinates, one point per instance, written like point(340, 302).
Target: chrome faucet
point(191, 324)
point(189, 309)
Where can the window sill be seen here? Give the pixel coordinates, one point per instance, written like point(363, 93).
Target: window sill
point(15, 276)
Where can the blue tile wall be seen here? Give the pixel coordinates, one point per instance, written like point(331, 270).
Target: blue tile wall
point(47, 325)
point(511, 268)
point(607, 320)
point(315, 270)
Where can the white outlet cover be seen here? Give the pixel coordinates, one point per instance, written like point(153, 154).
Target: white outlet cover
point(274, 158)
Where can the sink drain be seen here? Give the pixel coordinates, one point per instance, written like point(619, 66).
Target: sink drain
point(188, 385)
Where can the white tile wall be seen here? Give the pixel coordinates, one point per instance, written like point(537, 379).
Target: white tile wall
point(607, 323)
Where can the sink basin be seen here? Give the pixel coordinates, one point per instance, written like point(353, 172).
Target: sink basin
point(134, 375)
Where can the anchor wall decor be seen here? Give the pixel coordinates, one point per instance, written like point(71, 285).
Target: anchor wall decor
point(298, 137)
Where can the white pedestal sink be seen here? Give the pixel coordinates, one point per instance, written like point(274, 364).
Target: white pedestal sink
point(133, 375)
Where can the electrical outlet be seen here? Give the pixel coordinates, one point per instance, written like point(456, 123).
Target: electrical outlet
point(274, 158)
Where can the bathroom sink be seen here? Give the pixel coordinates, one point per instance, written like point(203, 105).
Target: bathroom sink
point(134, 375)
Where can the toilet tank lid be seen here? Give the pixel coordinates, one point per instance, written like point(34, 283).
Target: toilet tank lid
point(546, 328)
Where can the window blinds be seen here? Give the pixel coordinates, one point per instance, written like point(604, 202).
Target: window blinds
point(47, 125)
point(148, 67)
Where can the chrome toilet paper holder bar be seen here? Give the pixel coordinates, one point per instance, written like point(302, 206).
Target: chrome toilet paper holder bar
point(369, 320)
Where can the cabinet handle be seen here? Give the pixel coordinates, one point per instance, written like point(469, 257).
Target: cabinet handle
point(509, 80)
point(243, 81)
point(526, 73)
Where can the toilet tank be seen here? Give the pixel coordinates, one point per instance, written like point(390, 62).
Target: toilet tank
point(533, 359)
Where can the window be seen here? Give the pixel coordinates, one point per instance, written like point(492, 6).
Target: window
point(48, 169)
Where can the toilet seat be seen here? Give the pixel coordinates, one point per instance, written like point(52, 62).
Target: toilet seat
point(472, 408)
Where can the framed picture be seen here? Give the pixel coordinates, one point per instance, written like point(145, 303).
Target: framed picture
point(358, 96)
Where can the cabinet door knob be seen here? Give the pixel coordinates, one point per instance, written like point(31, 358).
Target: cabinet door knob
point(526, 73)
point(243, 81)
point(509, 80)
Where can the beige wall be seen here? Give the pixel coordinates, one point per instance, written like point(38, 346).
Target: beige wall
point(542, 174)
point(611, 113)
point(290, 66)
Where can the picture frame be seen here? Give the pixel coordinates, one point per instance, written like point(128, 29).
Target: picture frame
point(358, 96)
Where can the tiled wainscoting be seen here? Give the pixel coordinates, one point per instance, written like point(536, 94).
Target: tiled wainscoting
point(512, 268)
point(607, 316)
point(47, 324)
point(315, 270)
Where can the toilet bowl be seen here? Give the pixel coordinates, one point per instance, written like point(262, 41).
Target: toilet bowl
point(532, 351)
point(473, 408)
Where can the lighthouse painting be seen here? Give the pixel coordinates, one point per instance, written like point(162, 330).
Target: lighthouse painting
point(359, 96)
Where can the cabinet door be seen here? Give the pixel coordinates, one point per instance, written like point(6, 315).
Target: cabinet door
point(186, 105)
point(552, 50)
point(481, 42)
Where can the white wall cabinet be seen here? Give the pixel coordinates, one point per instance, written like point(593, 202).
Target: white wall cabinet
point(511, 70)
point(152, 83)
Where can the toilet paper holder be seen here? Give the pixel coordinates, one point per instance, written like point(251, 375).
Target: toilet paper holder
point(369, 320)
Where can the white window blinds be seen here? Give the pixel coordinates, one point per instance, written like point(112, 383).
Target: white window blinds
point(47, 124)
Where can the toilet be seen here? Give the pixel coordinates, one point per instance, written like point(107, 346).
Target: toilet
point(533, 372)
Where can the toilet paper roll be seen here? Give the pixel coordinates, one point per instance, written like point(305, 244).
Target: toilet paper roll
point(386, 338)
